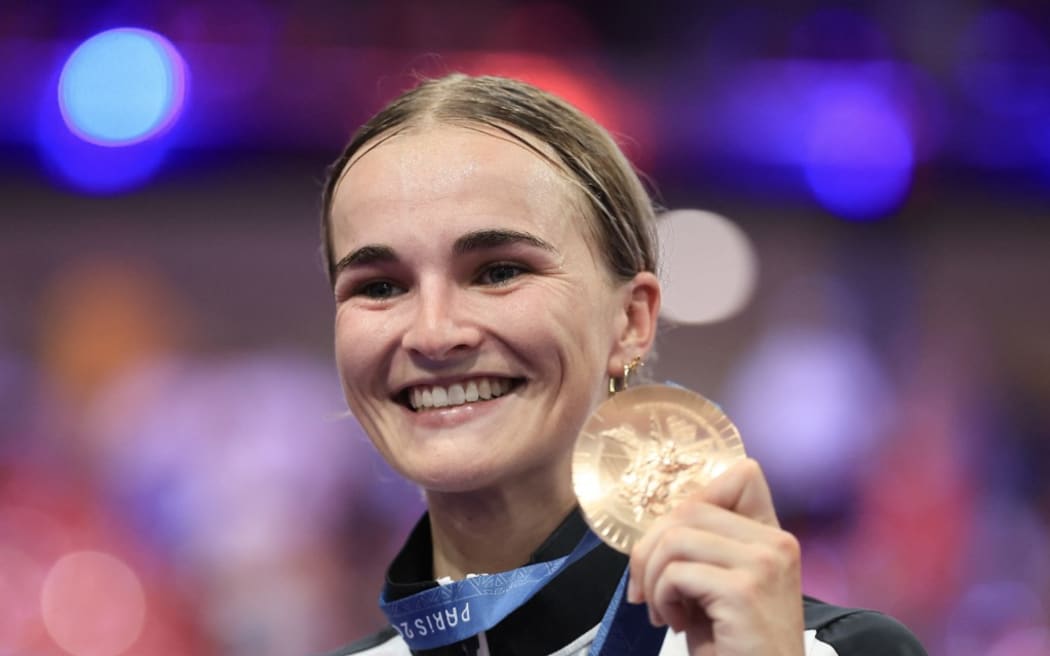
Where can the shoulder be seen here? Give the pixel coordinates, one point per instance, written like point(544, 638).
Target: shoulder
point(838, 631)
point(386, 642)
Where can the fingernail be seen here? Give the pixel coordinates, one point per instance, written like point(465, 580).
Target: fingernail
point(632, 592)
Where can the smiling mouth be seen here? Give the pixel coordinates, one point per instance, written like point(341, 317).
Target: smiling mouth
point(432, 397)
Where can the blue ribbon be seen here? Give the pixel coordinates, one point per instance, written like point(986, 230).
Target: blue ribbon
point(450, 613)
point(625, 628)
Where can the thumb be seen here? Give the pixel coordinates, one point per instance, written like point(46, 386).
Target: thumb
point(742, 488)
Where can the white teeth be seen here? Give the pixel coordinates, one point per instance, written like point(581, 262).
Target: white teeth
point(456, 395)
point(440, 397)
point(436, 396)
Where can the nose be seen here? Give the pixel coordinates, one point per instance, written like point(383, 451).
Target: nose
point(442, 326)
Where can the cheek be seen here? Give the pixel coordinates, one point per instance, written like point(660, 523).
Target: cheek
point(569, 322)
point(359, 362)
point(358, 348)
point(345, 338)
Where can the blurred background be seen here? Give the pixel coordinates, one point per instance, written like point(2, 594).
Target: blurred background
point(856, 261)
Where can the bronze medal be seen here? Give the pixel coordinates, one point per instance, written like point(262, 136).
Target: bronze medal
point(644, 450)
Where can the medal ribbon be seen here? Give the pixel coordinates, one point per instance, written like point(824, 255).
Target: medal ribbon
point(450, 613)
point(625, 628)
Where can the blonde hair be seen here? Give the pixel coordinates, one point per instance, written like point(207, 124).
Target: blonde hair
point(622, 213)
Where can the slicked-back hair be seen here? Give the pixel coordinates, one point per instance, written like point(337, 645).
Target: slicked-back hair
point(621, 220)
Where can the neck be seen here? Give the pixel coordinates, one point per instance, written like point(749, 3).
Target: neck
point(495, 529)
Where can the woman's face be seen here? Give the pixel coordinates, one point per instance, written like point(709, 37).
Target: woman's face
point(475, 327)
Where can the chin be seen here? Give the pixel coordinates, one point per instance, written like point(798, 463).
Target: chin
point(454, 480)
point(457, 470)
point(469, 473)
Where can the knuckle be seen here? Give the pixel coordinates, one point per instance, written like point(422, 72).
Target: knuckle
point(781, 552)
point(787, 545)
point(749, 586)
point(674, 573)
point(767, 562)
point(677, 535)
point(751, 467)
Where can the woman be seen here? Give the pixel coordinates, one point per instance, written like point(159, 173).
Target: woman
point(492, 257)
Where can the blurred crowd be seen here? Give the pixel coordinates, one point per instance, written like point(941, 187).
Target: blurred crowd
point(178, 477)
point(157, 501)
point(160, 498)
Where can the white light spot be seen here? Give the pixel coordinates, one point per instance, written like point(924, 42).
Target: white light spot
point(93, 604)
point(709, 267)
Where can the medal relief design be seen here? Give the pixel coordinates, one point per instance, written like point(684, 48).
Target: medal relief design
point(641, 452)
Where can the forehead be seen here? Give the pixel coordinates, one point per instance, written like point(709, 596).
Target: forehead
point(443, 176)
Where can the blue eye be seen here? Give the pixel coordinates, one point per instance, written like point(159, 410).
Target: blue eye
point(498, 274)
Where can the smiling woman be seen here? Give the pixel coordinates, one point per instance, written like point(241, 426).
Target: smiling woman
point(492, 257)
point(464, 265)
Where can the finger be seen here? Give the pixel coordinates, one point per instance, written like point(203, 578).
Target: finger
point(680, 542)
point(736, 504)
point(767, 560)
point(689, 584)
point(688, 616)
point(677, 615)
point(742, 488)
point(745, 602)
point(696, 511)
point(696, 514)
point(774, 571)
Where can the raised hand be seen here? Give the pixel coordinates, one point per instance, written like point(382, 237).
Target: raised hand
point(719, 568)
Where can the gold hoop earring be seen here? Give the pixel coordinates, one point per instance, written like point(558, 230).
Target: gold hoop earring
point(618, 384)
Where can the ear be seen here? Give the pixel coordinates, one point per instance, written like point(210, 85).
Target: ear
point(637, 319)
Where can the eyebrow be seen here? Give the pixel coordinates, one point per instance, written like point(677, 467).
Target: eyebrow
point(484, 239)
point(471, 242)
point(370, 254)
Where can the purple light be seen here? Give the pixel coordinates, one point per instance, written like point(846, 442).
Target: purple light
point(1004, 70)
point(1005, 65)
point(90, 167)
point(842, 126)
point(858, 154)
point(822, 392)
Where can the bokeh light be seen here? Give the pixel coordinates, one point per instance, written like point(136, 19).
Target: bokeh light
point(823, 392)
point(587, 88)
point(858, 153)
point(840, 133)
point(124, 313)
point(93, 604)
point(201, 440)
point(90, 167)
point(709, 267)
point(21, 580)
point(122, 86)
